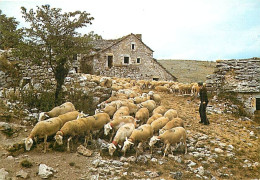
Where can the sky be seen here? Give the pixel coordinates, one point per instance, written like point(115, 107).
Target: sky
point(174, 29)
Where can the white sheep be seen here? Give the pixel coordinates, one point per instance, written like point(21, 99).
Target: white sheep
point(149, 104)
point(115, 124)
point(59, 110)
point(142, 115)
point(175, 122)
point(123, 132)
point(155, 97)
point(159, 110)
point(69, 116)
point(139, 135)
point(43, 129)
point(79, 127)
point(170, 137)
point(122, 111)
point(171, 113)
point(153, 118)
point(159, 123)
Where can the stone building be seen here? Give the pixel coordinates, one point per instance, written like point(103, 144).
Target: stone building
point(241, 76)
point(126, 57)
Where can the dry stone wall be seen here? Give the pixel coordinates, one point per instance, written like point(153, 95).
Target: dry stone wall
point(241, 76)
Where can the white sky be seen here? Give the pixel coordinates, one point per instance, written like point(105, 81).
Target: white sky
point(174, 29)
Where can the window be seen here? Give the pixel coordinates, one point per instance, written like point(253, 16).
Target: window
point(109, 61)
point(138, 60)
point(132, 46)
point(155, 79)
point(126, 60)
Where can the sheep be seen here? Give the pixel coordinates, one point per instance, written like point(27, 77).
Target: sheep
point(155, 97)
point(138, 135)
point(159, 123)
point(175, 122)
point(79, 127)
point(149, 104)
point(43, 129)
point(123, 132)
point(170, 114)
point(69, 116)
point(153, 118)
point(122, 111)
point(170, 137)
point(106, 82)
point(133, 108)
point(115, 124)
point(62, 109)
point(100, 120)
point(110, 110)
point(162, 89)
point(142, 115)
point(159, 110)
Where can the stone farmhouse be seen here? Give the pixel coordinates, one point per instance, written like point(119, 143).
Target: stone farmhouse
point(126, 57)
point(241, 76)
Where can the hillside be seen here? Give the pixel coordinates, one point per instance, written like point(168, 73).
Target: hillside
point(226, 149)
point(189, 70)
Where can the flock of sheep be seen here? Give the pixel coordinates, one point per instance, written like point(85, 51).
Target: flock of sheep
point(129, 118)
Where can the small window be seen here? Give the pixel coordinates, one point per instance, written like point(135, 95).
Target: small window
point(138, 60)
point(133, 46)
point(155, 79)
point(126, 60)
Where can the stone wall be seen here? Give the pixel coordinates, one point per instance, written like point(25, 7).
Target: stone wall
point(78, 83)
point(241, 76)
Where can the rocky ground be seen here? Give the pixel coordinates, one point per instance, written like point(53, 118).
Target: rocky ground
point(228, 148)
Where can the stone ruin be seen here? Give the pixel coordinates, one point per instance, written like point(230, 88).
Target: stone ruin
point(241, 76)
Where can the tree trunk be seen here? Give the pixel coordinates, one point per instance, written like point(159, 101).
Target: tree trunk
point(60, 73)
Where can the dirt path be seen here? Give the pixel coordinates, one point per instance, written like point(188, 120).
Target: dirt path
point(226, 149)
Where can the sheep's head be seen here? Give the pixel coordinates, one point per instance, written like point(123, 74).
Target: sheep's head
point(127, 145)
point(151, 93)
point(153, 140)
point(107, 128)
point(82, 115)
point(111, 149)
point(58, 139)
point(28, 143)
point(42, 116)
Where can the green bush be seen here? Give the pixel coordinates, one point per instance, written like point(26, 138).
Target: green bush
point(26, 163)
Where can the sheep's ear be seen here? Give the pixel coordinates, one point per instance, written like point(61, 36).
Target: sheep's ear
point(131, 142)
point(119, 146)
point(126, 138)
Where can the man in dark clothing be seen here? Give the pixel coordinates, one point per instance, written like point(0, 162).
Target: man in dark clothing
point(203, 104)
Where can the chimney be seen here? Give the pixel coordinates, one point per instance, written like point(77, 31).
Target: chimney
point(139, 36)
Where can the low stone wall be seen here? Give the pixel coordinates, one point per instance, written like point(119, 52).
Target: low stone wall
point(241, 76)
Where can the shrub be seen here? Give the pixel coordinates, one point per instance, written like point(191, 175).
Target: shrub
point(26, 163)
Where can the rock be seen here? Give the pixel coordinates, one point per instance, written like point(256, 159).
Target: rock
point(191, 163)
point(154, 174)
point(218, 150)
point(154, 160)
point(117, 163)
point(22, 174)
point(123, 159)
point(3, 174)
point(84, 151)
point(131, 159)
point(10, 158)
point(45, 172)
point(142, 158)
point(176, 175)
point(201, 170)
